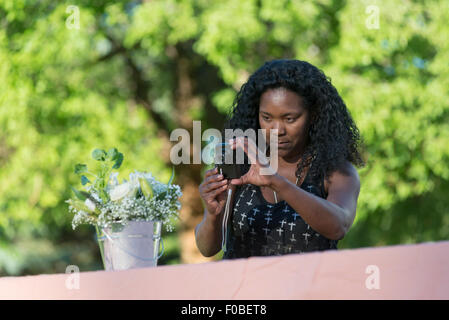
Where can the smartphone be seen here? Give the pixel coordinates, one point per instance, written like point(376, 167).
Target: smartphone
point(226, 162)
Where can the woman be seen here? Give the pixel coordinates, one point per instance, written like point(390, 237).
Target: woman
point(310, 202)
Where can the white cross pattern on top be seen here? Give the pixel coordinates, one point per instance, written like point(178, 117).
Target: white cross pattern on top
point(279, 243)
point(266, 230)
point(292, 239)
point(243, 192)
point(255, 210)
point(282, 223)
point(280, 231)
point(268, 220)
point(306, 236)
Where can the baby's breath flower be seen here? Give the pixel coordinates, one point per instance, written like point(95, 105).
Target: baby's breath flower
point(162, 206)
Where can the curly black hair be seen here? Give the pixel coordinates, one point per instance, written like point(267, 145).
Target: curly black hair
point(333, 136)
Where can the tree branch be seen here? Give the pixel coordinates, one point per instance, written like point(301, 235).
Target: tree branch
point(139, 86)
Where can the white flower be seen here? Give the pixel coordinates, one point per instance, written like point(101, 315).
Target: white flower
point(134, 177)
point(146, 175)
point(161, 208)
point(120, 191)
point(134, 182)
point(90, 205)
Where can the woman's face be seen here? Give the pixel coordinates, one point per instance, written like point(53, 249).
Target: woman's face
point(283, 109)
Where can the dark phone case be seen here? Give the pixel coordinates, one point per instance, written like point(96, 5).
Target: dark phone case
point(230, 170)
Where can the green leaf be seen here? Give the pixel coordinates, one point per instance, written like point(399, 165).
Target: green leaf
point(146, 188)
point(79, 194)
point(80, 168)
point(89, 196)
point(104, 195)
point(79, 205)
point(118, 162)
point(113, 154)
point(84, 180)
point(99, 155)
point(172, 175)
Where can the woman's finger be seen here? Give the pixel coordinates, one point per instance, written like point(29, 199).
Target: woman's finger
point(242, 180)
point(211, 172)
point(217, 191)
point(260, 156)
point(240, 143)
point(236, 182)
point(256, 152)
point(250, 148)
point(211, 178)
point(214, 178)
point(212, 186)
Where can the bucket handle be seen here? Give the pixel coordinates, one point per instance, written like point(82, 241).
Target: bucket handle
point(106, 235)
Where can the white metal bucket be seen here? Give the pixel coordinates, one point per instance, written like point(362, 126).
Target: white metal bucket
point(135, 245)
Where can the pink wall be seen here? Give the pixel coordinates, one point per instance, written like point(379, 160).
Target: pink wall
point(404, 272)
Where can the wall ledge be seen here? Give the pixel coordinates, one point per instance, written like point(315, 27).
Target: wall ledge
point(413, 271)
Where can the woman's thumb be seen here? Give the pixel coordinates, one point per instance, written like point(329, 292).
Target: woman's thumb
point(236, 181)
point(242, 180)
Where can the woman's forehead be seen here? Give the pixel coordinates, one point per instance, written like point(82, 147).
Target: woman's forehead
point(280, 100)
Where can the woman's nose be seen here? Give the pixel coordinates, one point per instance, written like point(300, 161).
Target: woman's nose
point(279, 126)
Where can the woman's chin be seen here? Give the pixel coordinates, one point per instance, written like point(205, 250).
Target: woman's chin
point(282, 152)
point(287, 153)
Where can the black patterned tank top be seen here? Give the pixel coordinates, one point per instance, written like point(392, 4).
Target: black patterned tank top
point(259, 228)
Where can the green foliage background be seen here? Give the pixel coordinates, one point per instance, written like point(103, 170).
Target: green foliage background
point(66, 91)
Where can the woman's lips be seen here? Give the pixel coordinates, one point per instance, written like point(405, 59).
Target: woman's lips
point(283, 144)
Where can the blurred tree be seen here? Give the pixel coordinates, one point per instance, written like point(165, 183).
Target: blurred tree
point(135, 70)
point(395, 80)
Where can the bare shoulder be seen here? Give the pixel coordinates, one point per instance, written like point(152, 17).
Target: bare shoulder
point(346, 176)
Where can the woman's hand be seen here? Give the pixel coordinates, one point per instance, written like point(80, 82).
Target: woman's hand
point(260, 172)
point(212, 191)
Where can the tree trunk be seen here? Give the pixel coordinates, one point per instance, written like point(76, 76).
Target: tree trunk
point(189, 175)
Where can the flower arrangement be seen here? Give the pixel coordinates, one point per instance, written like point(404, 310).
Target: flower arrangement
point(105, 201)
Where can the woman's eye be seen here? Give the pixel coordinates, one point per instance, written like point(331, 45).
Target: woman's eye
point(290, 120)
point(266, 118)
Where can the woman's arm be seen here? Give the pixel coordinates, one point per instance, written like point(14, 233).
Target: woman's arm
point(208, 234)
point(331, 217)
